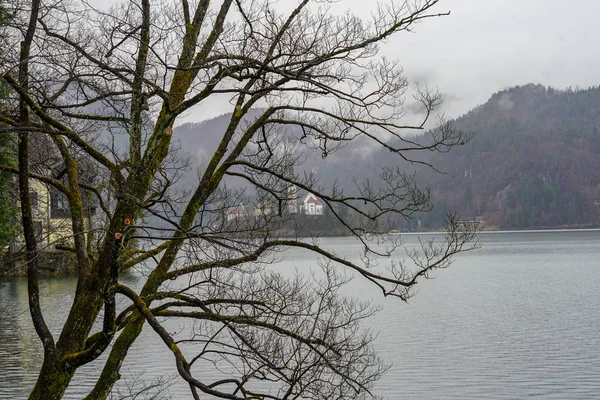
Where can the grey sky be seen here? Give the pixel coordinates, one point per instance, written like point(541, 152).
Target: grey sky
point(488, 45)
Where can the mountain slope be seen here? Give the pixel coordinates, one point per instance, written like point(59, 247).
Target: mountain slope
point(533, 162)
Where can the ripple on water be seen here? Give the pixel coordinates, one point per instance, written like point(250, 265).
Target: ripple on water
point(518, 318)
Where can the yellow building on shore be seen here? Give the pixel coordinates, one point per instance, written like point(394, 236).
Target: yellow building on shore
point(51, 215)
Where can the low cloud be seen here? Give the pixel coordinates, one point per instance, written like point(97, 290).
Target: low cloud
point(505, 103)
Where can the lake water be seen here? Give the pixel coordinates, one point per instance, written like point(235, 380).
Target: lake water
point(519, 317)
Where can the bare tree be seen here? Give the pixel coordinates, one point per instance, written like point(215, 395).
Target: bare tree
point(77, 72)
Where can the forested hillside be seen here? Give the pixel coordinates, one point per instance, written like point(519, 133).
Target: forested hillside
point(533, 161)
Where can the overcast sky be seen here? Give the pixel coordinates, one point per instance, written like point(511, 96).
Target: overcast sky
point(487, 45)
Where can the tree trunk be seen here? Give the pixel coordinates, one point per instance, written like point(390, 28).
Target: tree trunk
point(52, 382)
point(111, 371)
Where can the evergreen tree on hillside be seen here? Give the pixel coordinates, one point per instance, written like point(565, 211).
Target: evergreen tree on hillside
point(8, 209)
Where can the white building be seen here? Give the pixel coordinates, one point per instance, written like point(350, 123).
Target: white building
point(292, 199)
point(236, 212)
point(264, 208)
point(312, 205)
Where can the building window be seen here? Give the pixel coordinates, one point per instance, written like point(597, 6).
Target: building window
point(38, 229)
point(59, 205)
point(34, 202)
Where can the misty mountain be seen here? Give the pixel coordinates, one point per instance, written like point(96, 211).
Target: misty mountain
point(532, 162)
point(348, 165)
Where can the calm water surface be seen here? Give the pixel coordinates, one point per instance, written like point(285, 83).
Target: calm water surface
point(519, 317)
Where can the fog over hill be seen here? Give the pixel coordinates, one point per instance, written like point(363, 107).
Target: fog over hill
point(532, 163)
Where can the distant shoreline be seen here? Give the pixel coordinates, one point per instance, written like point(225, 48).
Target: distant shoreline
point(532, 230)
